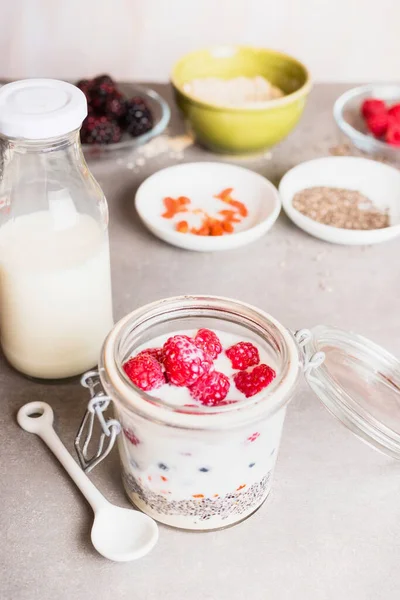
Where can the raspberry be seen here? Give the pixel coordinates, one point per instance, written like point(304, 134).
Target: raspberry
point(378, 124)
point(208, 341)
point(394, 111)
point(243, 355)
point(145, 372)
point(156, 353)
point(184, 362)
point(251, 383)
point(393, 134)
point(211, 389)
point(99, 130)
point(372, 106)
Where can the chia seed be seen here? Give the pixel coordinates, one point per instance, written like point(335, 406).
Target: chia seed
point(233, 503)
point(338, 207)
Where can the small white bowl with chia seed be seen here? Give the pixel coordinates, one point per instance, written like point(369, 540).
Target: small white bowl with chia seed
point(344, 199)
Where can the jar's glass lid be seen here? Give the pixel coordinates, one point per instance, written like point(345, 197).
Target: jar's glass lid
point(358, 382)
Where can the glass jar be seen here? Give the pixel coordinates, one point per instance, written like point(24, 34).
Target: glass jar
point(198, 467)
point(55, 285)
point(204, 468)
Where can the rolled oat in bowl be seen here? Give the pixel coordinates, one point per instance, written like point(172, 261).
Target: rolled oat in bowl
point(239, 91)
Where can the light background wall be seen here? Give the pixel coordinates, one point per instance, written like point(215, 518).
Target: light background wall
point(340, 40)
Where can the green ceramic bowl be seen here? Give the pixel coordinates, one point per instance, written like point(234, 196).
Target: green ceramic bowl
point(234, 130)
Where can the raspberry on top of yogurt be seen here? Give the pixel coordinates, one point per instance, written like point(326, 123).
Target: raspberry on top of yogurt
point(252, 382)
point(243, 355)
point(211, 389)
point(203, 366)
point(145, 372)
point(184, 362)
point(208, 341)
point(156, 353)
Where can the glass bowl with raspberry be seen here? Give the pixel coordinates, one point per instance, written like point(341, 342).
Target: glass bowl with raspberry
point(120, 116)
point(369, 116)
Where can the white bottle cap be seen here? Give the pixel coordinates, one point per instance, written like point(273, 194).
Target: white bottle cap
point(37, 109)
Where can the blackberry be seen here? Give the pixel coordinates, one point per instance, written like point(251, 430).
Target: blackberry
point(115, 106)
point(138, 118)
point(100, 130)
point(100, 94)
point(85, 85)
point(104, 79)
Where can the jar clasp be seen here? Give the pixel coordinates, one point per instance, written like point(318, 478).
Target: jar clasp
point(97, 405)
point(311, 361)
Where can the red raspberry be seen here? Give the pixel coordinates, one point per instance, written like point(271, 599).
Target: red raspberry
point(372, 106)
point(145, 372)
point(393, 134)
point(156, 353)
point(211, 389)
point(378, 124)
point(209, 342)
point(251, 383)
point(243, 355)
point(394, 111)
point(184, 362)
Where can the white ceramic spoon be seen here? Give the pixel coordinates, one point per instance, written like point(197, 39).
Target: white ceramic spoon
point(120, 534)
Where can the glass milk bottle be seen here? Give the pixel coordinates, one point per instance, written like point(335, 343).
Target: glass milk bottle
point(55, 288)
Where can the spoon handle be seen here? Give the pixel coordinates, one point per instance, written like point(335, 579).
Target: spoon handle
point(37, 417)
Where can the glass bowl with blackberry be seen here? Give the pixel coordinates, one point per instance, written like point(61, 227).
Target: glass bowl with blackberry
point(121, 116)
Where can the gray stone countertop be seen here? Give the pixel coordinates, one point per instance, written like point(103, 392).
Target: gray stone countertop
point(331, 527)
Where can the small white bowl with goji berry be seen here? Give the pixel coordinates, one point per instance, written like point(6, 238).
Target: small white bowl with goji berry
point(207, 206)
point(369, 116)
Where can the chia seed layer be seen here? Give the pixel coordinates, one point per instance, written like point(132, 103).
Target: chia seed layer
point(232, 504)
